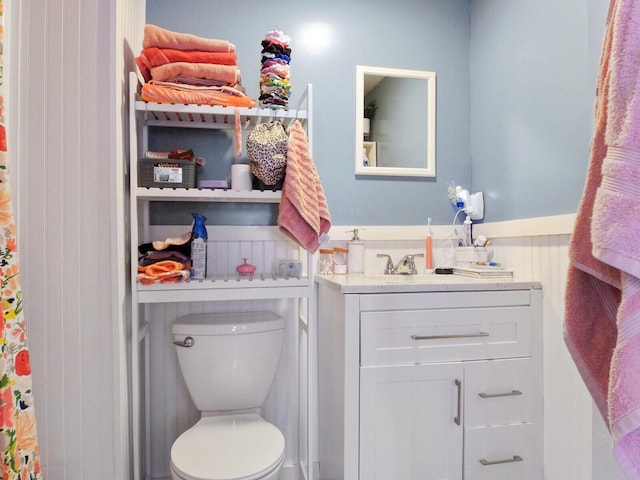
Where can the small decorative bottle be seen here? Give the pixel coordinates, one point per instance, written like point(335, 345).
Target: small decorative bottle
point(325, 261)
point(199, 239)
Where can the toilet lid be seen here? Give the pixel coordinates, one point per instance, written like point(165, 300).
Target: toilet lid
point(230, 447)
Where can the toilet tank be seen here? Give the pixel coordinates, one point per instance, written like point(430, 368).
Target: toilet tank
point(233, 359)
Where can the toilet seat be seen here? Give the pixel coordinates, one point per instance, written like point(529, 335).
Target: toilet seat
point(229, 447)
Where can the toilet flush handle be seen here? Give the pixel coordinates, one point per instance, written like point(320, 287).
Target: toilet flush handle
point(187, 342)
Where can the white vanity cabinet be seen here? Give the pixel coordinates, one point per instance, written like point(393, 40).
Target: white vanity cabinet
point(432, 380)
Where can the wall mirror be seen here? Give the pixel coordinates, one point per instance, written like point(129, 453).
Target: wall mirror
point(395, 122)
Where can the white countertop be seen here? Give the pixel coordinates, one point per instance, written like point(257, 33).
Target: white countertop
point(427, 282)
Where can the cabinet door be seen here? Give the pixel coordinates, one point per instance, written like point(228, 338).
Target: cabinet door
point(410, 422)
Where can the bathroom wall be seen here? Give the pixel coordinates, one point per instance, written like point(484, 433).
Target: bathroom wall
point(515, 93)
point(533, 72)
point(66, 139)
point(66, 144)
point(329, 39)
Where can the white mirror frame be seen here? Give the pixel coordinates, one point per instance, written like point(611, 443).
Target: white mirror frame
point(430, 154)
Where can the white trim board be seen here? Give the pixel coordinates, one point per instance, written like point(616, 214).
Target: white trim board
point(525, 227)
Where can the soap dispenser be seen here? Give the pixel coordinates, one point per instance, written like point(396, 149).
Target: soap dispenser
point(355, 253)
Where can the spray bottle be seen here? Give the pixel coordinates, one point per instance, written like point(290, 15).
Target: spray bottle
point(199, 239)
point(355, 254)
point(429, 247)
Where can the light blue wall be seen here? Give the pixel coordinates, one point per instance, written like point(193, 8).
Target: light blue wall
point(515, 93)
point(415, 34)
point(531, 104)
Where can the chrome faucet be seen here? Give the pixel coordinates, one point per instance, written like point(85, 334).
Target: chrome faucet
point(389, 269)
point(406, 265)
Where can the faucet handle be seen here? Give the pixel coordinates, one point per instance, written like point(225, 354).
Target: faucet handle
point(408, 263)
point(389, 269)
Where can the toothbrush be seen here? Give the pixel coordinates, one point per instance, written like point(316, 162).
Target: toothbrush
point(429, 247)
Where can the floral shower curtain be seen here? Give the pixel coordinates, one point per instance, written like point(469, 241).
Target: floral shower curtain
point(18, 439)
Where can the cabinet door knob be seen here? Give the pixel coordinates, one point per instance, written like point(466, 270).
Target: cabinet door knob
point(504, 394)
point(516, 458)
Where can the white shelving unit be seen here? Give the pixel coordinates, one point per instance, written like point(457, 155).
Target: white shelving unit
point(223, 283)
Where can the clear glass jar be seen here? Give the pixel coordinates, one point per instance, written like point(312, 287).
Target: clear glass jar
point(325, 261)
point(340, 260)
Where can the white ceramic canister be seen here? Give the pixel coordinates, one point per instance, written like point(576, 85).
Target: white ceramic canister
point(240, 177)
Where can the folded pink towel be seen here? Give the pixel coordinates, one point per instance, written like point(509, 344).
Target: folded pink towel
point(602, 321)
point(304, 213)
point(160, 56)
point(227, 74)
point(155, 36)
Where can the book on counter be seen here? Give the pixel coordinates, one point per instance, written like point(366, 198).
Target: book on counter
point(483, 271)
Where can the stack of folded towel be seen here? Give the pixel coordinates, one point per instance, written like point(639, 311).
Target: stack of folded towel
point(184, 68)
point(165, 261)
point(275, 87)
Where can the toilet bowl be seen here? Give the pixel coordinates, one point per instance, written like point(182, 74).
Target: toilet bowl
point(230, 447)
point(228, 362)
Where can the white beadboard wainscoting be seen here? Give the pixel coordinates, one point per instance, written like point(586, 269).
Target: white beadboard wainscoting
point(66, 119)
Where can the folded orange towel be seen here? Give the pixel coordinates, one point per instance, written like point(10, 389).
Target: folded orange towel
point(164, 272)
point(187, 94)
point(160, 56)
point(154, 57)
point(155, 36)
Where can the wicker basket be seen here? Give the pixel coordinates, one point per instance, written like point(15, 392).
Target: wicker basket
point(166, 173)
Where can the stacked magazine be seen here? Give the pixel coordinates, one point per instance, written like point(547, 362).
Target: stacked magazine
point(483, 271)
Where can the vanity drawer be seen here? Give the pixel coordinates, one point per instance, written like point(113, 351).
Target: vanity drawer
point(440, 335)
point(500, 392)
point(503, 453)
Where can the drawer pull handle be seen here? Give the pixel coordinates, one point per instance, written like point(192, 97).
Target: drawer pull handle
point(458, 335)
point(516, 458)
point(505, 394)
point(459, 385)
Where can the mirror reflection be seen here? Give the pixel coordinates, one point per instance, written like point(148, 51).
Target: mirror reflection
point(395, 122)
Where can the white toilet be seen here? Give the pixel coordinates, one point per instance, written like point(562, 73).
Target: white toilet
point(228, 362)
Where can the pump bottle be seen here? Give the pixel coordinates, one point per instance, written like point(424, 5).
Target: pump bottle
point(355, 254)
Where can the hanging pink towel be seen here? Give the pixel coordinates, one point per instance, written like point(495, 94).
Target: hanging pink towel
point(602, 320)
point(304, 214)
